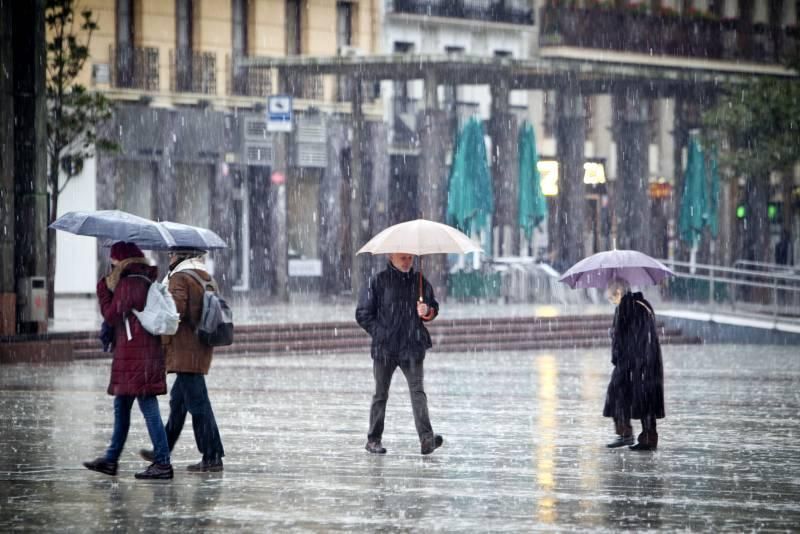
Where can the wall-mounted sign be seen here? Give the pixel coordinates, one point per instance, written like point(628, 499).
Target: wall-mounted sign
point(279, 113)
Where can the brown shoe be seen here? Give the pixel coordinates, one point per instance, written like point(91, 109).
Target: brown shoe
point(206, 466)
point(375, 447)
point(428, 446)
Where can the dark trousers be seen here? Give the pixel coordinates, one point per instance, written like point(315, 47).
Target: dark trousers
point(383, 369)
point(189, 394)
point(624, 428)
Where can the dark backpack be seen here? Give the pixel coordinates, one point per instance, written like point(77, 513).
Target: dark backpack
point(215, 327)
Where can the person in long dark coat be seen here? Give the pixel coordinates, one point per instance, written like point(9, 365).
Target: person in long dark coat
point(636, 389)
point(390, 310)
point(138, 370)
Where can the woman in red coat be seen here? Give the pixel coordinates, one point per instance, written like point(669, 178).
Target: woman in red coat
point(137, 370)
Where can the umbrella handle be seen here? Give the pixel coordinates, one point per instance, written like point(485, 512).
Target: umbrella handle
point(420, 278)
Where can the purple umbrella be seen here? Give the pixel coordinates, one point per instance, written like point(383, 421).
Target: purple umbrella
point(597, 270)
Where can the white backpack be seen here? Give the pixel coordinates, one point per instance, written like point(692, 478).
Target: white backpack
point(160, 315)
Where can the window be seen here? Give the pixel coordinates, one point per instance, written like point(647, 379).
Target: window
point(124, 53)
point(344, 24)
point(239, 16)
point(503, 53)
point(239, 44)
point(293, 27)
point(183, 24)
point(184, 15)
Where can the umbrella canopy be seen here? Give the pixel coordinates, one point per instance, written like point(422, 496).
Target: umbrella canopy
point(693, 202)
point(420, 237)
point(115, 225)
point(532, 204)
point(470, 199)
point(187, 236)
point(597, 270)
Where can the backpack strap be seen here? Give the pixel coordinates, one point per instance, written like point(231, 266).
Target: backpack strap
point(143, 277)
point(203, 283)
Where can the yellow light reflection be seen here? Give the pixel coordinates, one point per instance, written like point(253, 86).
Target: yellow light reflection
point(547, 428)
point(587, 456)
point(548, 172)
point(546, 311)
point(594, 173)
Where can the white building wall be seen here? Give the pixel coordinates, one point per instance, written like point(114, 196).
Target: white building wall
point(434, 36)
point(76, 257)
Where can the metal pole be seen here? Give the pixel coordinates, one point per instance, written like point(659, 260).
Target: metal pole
point(711, 275)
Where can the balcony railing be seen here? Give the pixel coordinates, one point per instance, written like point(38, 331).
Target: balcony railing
point(506, 11)
point(134, 67)
point(633, 31)
point(307, 87)
point(248, 81)
point(193, 72)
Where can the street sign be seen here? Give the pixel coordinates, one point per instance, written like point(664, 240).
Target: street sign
point(279, 113)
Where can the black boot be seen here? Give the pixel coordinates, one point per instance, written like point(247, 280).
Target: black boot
point(156, 472)
point(206, 466)
point(101, 465)
point(648, 439)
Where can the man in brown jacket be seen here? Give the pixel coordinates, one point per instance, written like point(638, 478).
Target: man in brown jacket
point(190, 360)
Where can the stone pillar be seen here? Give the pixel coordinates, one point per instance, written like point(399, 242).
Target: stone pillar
point(434, 136)
point(106, 199)
point(633, 180)
point(505, 170)
point(261, 266)
point(333, 232)
point(571, 204)
point(221, 199)
point(164, 201)
point(8, 297)
point(358, 186)
point(278, 224)
point(378, 134)
point(280, 242)
point(30, 149)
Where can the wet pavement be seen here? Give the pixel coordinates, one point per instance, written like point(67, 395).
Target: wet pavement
point(523, 448)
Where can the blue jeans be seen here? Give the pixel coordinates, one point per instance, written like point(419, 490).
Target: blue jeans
point(190, 395)
point(122, 422)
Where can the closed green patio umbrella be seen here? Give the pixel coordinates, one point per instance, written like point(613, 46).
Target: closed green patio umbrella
point(470, 198)
point(693, 201)
point(532, 203)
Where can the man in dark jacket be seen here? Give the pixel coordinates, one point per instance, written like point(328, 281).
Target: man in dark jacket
point(636, 389)
point(190, 360)
point(392, 309)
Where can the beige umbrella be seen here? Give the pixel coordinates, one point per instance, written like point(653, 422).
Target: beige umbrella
point(420, 237)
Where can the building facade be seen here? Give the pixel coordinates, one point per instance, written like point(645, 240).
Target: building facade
point(193, 137)
point(195, 146)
